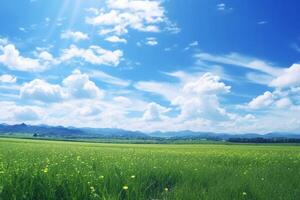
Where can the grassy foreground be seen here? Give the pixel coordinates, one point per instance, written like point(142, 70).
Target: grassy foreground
point(71, 170)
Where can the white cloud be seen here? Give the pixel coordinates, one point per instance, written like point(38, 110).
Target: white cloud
point(121, 15)
point(167, 90)
point(93, 11)
point(259, 78)
point(195, 43)
point(190, 45)
point(25, 114)
point(151, 41)
point(262, 22)
point(12, 113)
point(115, 39)
point(22, 29)
point(93, 55)
point(273, 100)
point(262, 101)
point(199, 98)
point(3, 41)
point(47, 19)
point(74, 35)
point(154, 112)
point(195, 96)
point(295, 46)
point(283, 103)
point(241, 61)
point(223, 7)
point(104, 77)
point(289, 77)
point(44, 55)
point(6, 78)
point(206, 84)
point(42, 91)
point(79, 85)
point(76, 86)
point(13, 60)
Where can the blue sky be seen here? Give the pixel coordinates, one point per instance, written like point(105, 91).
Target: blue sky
point(223, 66)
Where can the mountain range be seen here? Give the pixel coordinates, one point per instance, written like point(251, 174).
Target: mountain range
point(46, 131)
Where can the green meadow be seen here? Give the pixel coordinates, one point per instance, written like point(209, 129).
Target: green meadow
point(34, 169)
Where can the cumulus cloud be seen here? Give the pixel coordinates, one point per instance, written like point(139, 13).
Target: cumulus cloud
point(40, 90)
point(154, 112)
point(11, 58)
point(206, 84)
point(275, 100)
point(283, 103)
point(121, 15)
point(76, 86)
point(289, 77)
point(46, 56)
point(12, 113)
point(115, 39)
point(79, 85)
point(25, 114)
point(93, 54)
point(262, 101)
point(285, 91)
point(74, 35)
point(199, 98)
point(6, 78)
point(196, 97)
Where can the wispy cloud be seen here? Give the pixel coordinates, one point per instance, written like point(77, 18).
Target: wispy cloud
point(241, 61)
point(223, 7)
point(192, 44)
point(296, 47)
point(104, 77)
point(262, 22)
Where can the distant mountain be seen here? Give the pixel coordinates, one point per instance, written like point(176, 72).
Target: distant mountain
point(219, 136)
point(69, 132)
point(281, 135)
point(114, 133)
point(109, 133)
point(43, 131)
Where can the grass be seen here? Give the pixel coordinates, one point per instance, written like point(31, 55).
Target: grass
point(33, 169)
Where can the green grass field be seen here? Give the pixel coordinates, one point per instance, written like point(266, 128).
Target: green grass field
point(32, 169)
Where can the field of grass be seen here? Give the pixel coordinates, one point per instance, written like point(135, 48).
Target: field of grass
point(32, 169)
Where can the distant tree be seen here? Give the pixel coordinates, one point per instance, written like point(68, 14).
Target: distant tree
point(264, 140)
